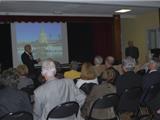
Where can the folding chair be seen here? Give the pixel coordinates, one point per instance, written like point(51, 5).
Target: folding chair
point(87, 87)
point(64, 110)
point(130, 101)
point(105, 102)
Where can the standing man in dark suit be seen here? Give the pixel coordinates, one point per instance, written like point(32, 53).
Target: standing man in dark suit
point(132, 51)
point(29, 61)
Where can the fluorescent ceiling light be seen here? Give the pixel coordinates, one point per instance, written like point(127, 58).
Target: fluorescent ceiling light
point(123, 11)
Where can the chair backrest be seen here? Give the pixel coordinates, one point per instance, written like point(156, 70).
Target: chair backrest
point(64, 110)
point(28, 89)
point(106, 101)
point(152, 91)
point(87, 87)
point(130, 99)
point(22, 115)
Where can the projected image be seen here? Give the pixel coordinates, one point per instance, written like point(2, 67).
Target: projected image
point(45, 38)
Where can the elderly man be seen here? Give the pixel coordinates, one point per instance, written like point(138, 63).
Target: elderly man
point(28, 59)
point(12, 100)
point(152, 77)
point(132, 51)
point(127, 81)
point(98, 65)
point(54, 92)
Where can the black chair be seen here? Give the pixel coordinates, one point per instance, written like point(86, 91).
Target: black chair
point(148, 101)
point(87, 87)
point(151, 92)
point(22, 115)
point(64, 110)
point(28, 89)
point(130, 100)
point(107, 101)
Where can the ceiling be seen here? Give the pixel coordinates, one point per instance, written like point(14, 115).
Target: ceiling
point(75, 7)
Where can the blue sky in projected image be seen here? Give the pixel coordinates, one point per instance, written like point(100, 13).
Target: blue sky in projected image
point(31, 31)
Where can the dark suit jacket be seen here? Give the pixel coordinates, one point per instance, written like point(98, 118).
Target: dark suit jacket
point(132, 52)
point(13, 100)
point(29, 61)
point(127, 81)
point(149, 80)
point(155, 102)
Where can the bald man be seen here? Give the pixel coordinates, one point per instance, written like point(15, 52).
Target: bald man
point(132, 51)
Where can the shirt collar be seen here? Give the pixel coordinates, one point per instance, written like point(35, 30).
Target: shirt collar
point(152, 71)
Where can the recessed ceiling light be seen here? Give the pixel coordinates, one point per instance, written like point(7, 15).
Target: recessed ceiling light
point(57, 12)
point(122, 10)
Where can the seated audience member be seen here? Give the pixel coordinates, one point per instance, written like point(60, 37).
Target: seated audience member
point(153, 77)
point(99, 68)
point(11, 99)
point(24, 81)
point(88, 75)
point(109, 61)
point(98, 91)
point(59, 70)
point(127, 81)
point(73, 73)
point(54, 92)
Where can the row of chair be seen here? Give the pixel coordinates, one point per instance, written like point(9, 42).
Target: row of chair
point(142, 100)
point(71, 108)
point(61, 111)
point(110, 100)
point(68, 109)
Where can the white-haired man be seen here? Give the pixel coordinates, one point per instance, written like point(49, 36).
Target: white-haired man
point(151, 78)
point(54, 92)
point(128, 81)
point(98, 65)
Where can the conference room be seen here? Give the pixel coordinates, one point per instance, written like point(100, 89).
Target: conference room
point(79, 35)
